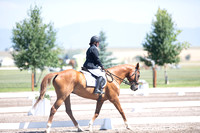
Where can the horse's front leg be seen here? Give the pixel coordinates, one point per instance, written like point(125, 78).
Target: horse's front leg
point(69, 112)
point(117, 104)
point(97, 111)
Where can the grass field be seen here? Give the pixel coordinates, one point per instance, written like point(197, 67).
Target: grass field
point(184, 77)
point(188, 76)
point(16, 80)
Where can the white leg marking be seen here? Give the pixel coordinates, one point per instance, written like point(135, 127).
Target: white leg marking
point(90, 125)
point(79, 128)
point(48, 128)
point(127, 125)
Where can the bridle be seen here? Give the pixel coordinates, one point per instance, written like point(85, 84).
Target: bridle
point(134, 82)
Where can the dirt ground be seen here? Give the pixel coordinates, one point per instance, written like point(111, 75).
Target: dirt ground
point(154, 113)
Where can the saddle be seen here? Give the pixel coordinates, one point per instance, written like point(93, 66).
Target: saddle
point(90, 78)
point(84, 69)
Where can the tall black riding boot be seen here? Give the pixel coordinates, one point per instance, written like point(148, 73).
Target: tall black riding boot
point(99, 85)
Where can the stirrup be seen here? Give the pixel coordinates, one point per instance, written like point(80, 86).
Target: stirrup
point(102, 92)
point(97, 92)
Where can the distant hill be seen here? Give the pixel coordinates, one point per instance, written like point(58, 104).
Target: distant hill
point(118, 34)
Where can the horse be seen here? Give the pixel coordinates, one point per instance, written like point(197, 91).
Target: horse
point(72, 81)
point(73, 63)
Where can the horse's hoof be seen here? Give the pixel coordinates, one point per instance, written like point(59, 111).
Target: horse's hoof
point(47, 131)
point(90, 128)
point(80, 129)
point(129, 128)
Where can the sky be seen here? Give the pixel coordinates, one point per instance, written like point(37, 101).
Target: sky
point(63, 13)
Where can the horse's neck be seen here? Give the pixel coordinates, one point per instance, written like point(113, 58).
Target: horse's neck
point(121, 72)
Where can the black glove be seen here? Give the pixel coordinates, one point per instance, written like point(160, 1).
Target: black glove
point(102, 68)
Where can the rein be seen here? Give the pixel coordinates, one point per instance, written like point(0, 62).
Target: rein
point(124, 81)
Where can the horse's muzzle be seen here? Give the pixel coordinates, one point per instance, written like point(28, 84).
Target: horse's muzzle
point(134, 87)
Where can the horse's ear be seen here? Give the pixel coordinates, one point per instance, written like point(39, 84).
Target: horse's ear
point(137, 66)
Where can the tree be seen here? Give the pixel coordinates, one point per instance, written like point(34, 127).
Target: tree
point(161, 43)
point(104, 55)
point(34, 43)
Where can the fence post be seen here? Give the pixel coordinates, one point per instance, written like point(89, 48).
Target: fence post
point(154, 77)
point(32, 83)
point(154, 71)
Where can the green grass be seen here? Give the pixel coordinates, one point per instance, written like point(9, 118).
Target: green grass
point(16, 89)
point(183, 77)
point(16, 80)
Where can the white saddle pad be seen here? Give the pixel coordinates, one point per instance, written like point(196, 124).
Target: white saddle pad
point(90, 80)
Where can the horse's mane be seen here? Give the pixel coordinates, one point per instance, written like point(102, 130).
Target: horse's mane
point(122, 65)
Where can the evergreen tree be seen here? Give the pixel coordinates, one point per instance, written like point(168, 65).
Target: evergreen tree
point(104, 55)
point(34, 43)
point(161, 43)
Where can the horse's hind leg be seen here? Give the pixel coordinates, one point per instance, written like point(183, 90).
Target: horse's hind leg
point(69, 112)
point(97, 111)
point(54, 108)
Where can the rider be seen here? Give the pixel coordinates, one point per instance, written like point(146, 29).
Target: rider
point(93, 63)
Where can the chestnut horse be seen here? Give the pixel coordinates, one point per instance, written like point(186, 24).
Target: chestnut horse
point(71, 81)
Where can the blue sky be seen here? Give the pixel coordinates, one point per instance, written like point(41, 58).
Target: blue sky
point(65, 12)
point(62, 13)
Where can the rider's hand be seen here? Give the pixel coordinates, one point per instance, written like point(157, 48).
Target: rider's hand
point(102, 68)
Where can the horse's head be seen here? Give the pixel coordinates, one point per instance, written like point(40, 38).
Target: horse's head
point(133, 77)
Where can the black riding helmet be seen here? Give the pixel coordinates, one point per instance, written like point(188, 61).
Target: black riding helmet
point(94, 39)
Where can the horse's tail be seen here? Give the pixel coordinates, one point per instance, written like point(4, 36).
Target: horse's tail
point(45, 82)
